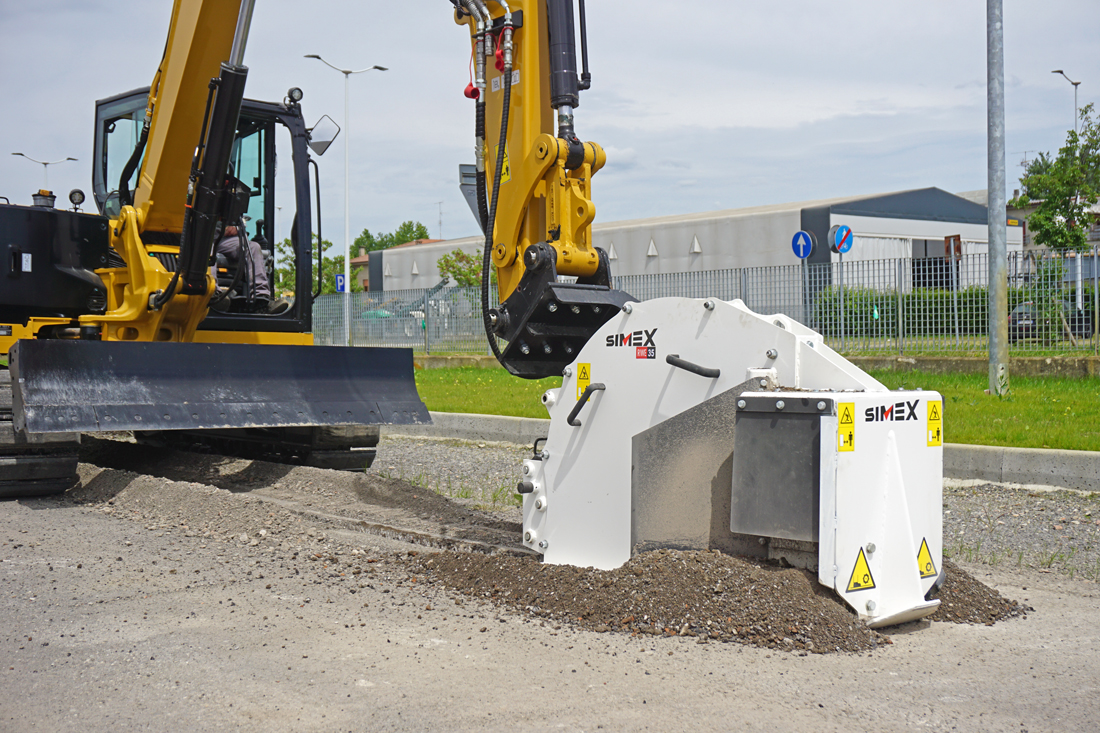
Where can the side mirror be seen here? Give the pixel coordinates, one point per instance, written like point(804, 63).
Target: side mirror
point(322, 134)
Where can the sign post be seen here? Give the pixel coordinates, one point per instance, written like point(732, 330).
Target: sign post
point(840, 241)
point(804, 244)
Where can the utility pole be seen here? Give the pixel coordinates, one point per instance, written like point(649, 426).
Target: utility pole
point(440, 219)
point(996, 212)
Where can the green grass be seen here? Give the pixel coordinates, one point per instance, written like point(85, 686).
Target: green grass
point(483, 391)
point(1046, 412)
point(1040, 412)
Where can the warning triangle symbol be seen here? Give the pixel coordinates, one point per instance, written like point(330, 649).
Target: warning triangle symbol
point(934, 413)
point(861, 575)
point(584, 371)
point(924, 560)
point(846, 416)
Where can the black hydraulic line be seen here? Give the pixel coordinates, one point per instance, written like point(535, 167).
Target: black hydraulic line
point(586, 78)
point(702, 371)
point(491, 222)
point(572, 419)
point(482, 200)
point(124, 196)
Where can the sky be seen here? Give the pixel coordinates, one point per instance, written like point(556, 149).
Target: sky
point(719, 105)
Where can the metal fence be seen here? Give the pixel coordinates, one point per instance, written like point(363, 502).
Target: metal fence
point(890, 306)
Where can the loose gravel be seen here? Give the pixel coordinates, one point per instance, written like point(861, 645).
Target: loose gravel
point(307, 515)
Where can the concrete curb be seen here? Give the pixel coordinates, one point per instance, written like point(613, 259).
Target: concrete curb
point(1065, 468)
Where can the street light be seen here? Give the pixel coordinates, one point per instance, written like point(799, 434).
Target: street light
point(1075, 85)
point(45, 167)
point(347, 197)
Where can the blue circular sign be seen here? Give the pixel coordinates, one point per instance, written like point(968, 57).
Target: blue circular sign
point(803, 244)
point(842, 238)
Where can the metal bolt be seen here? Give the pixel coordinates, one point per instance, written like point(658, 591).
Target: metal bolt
point(741, 404)
point(771, 354)
point(575, 308)
point(780, 404)
point(628, 308)
point(763, 383)
point(568, 349)
point(525, 349)
point(568, 372)
point(526, 469)
point(544, 454)
point(543, 544)
point(708, 304)
point(528, 536)
point(546, 348)
point(595, 309)
point(540, 504)
point(821, 405)
point(870, 606)
point(552, 307)
point(870, 548)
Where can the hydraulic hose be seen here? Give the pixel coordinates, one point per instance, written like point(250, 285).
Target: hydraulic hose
point(124, 196)
point(486, 258)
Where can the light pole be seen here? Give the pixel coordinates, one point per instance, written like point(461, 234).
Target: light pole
point(1075, 85)
point(45, 167)
point(347, 197)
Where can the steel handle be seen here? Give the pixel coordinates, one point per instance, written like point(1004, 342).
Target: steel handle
point(572, 419)
point(676, 361)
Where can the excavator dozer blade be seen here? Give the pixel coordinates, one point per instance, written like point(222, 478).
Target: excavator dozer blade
point(94, 386)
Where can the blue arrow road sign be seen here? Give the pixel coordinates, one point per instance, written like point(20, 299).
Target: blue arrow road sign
point(803, 245)
point(339, 283)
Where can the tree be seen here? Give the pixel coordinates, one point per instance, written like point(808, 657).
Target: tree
point(286, 272)
point(464, 269)
point(1037, 166)
point(407, 232)
point(1066, 189)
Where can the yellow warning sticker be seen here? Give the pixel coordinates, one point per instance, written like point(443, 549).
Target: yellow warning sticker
point(935, 423)
point(924, 561)
point(584, 378)
point(846, 426)
point(506, 175)
point(861, 575)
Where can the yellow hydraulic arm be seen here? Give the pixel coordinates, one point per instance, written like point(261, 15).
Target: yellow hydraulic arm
point(146, 302)
point(535, 185)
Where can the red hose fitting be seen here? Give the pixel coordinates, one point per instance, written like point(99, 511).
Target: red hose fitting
point(472, 92)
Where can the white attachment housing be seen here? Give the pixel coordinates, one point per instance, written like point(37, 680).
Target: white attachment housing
point(649, 463)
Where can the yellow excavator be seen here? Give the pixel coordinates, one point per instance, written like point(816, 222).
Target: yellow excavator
point(127, 320)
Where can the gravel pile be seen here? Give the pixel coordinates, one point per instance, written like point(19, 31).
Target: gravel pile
point(699, 594)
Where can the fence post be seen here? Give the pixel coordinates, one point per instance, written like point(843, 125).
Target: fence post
point(954, 293)
point(1095, 301)
point(899, 284)
point(427, 338)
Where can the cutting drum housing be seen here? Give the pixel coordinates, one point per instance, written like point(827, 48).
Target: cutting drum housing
point(699, 424)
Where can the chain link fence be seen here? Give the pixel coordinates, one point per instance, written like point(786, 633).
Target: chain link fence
point(905, 305)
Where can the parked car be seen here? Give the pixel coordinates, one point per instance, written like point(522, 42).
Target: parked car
point(1028, 321)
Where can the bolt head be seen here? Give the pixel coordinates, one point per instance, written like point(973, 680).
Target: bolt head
point(708, 304)
point(628, 308)
point(552, 307)
point(741, 404)
point(568, 372)
point(525, 349)
point(543, 544)
point(539, 504)
point(546, 349)
point(528, 536)
point(780, 404)
point(821, 405)
point(575, 309)
point(871, 547)
point(871, 606)
point(763, 383)
point(772, 354)
point(526, 469)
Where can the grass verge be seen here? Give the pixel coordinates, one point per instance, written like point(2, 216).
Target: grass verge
point(1041, 412)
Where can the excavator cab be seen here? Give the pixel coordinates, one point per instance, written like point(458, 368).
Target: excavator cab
point(265, 132)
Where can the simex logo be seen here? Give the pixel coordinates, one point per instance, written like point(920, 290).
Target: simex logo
point(642, 341)
point(897, 412)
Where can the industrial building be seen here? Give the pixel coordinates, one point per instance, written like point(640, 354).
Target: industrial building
point(905, 224)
